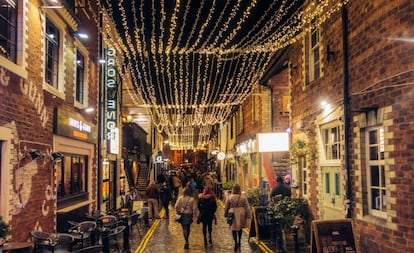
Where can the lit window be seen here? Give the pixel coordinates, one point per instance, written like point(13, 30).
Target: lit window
point(71, 175)
point(80, 73)
point(376, 170)
point(52, 54)
point(8, 31)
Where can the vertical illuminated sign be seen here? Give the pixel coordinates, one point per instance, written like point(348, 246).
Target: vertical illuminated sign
point(111, 100)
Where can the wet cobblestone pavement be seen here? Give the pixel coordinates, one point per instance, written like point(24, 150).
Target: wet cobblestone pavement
point(165, 235)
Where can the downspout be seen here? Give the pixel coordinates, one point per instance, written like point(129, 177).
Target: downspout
point(347, 113)
point(100, 113)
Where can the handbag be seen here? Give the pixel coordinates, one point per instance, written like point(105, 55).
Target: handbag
point(230, 217)
point(177, 217)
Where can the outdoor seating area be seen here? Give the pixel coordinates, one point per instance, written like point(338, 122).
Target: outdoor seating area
point(88, 235)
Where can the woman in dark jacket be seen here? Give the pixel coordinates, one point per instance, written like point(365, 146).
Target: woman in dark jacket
point(207, 207)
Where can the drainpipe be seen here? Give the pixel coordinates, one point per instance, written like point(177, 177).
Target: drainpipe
point(347, 114)
point(100, 113)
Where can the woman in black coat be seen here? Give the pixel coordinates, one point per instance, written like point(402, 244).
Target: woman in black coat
point(207, 207)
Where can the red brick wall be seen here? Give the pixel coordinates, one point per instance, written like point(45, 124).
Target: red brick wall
point(27, 109)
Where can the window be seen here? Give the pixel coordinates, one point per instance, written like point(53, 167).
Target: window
point(312, 53)
point(304, 175)
point(52, 39)
point(80, 73)
point(71, 175)
point(332, 142)
point(376, 171)
point(8, 31)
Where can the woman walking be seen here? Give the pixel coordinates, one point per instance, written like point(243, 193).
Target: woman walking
point(186, 207)
point(237, 204)
point(207, 207)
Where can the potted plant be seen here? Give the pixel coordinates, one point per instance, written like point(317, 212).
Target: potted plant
point(227, 187)
point(256, 197)
point(4, 230)
point(289, 211)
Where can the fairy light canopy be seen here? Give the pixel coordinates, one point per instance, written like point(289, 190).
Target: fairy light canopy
point(192, 63)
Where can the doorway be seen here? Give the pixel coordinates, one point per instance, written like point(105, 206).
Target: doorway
point(332, 193)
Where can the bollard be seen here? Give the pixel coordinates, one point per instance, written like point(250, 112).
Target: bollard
point(295, 229)
point(125, 220)
point(105, 240)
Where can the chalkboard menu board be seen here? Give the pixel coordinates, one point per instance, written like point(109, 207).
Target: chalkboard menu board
point(262, 226)
point(332, 236)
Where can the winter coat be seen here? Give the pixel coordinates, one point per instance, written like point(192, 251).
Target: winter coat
point(242, 212)
point(207, 207)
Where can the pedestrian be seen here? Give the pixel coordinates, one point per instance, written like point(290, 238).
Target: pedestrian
point(287, 181)
point(187, 208)
point(175, 184)
point(153, 195)
point(280, 188)
point(237, 204)
point(166, 198)
point(207, 207)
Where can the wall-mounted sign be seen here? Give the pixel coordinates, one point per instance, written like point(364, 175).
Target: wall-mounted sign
point(111, 105)
point(74, 125)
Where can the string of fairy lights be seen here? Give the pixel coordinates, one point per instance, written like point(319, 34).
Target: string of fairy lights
point(191, 63)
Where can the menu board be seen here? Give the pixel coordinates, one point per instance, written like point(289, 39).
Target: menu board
point(332, 236)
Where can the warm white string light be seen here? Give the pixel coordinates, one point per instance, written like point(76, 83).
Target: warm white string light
point(183, 61)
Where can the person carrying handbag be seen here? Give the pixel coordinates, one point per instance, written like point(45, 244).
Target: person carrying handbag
point(238, 204)
point(187, 208)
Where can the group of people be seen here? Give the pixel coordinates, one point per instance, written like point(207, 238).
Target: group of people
point(205, 208)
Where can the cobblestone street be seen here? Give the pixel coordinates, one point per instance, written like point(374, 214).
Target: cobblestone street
point(165, 235)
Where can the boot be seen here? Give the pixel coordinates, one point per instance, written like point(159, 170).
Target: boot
point(205, 242)
point(209, 240)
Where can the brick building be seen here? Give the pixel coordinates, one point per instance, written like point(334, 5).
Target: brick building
point(357, 150)
point(48, 77)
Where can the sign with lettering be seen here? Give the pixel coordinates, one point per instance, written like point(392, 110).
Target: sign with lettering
point(75, 126)
point(111, 85)
point(329, 236)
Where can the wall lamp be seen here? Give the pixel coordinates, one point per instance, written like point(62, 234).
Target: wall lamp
point(57, 156)
point(34, 154)
point(88, 110)
point(80, 35)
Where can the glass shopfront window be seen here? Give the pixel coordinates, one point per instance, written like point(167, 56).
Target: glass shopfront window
point(71, 175)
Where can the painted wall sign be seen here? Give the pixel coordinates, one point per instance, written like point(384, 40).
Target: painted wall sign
point(74, 126)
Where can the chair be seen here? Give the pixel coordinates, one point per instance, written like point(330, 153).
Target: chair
point(84, 230)
point(114, 236)
point(42, 241)
point(108, 221)
point(62, 243)
point(91, 249)
point(133, 221)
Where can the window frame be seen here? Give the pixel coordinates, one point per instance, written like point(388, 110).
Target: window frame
point(332, 145)
point(313, 47)
point(381, 178)
point(80, 78)
point(52, 54)
point(10, 31)
point(61, 176)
